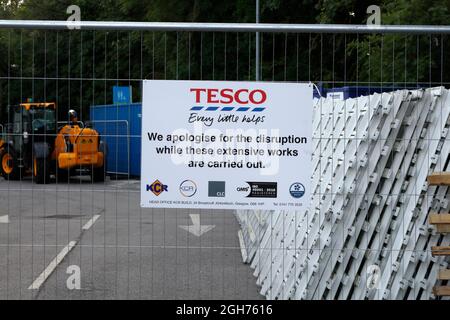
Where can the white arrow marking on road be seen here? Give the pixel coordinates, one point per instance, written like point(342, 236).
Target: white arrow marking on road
point(196, 228)
point(4, 219)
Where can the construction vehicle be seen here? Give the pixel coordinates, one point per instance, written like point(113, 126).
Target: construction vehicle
point(33, 143)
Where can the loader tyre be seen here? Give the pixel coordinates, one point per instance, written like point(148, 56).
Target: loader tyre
point(9, 165)
point(62, 175)
point(41, 170)
point(98, 174)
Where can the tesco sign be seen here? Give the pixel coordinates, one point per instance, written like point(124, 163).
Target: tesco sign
point(229, 96)
point(226, 145)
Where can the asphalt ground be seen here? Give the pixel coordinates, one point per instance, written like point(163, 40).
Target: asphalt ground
point(122, 251)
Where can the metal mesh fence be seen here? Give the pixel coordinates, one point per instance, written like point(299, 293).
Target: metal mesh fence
point(82, 239)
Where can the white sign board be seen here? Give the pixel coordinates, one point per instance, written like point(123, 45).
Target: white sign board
point(226, 145)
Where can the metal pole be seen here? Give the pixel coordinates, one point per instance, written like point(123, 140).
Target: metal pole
point(257, 47)
point(223, 27)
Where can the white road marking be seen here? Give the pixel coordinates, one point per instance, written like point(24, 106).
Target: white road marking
point(4, 219)
point(59, 258)
point(196, 228)
point(91, 222)
point(52, 266)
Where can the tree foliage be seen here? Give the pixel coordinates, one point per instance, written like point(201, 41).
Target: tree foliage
point(78, 69)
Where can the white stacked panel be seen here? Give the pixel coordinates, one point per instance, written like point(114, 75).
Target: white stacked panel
point(369, 206)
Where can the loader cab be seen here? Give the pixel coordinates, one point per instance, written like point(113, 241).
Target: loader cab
point(31, 122)
point(42, 120)
point(28, 124)
point(37, 118)
point(33, 117)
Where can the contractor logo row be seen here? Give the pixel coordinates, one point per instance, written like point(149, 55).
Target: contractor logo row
point(217, 189)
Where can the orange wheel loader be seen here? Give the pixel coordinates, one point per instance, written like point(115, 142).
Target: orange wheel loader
point(32, 143)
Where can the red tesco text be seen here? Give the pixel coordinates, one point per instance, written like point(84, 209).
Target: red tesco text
point(229, 96)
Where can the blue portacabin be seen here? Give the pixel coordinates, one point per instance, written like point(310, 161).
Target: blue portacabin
point(120, 127)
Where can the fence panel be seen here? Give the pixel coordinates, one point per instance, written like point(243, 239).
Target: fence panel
point(381, 126)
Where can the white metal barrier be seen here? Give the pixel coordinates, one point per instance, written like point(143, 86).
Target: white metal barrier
point(365, 234)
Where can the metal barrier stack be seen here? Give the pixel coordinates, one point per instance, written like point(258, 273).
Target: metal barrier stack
point(365, 234)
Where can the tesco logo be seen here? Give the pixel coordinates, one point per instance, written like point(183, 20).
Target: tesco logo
point(229, 96)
